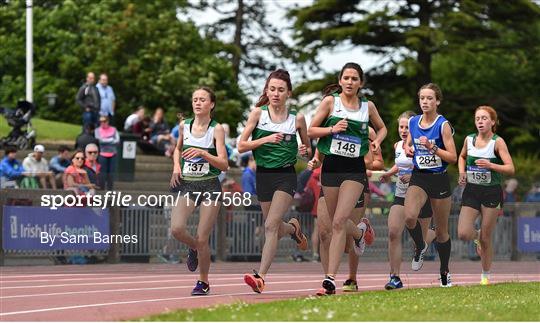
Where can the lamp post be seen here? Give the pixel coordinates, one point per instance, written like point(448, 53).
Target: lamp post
point(29, 53)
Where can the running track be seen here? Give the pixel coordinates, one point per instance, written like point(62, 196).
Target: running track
point(129, 291)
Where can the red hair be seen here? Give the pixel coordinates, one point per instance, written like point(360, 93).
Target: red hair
point(492, 115)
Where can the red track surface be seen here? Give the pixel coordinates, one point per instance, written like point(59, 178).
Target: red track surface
point(129, 291)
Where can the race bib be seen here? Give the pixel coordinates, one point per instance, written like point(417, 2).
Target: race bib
point(196, 168)
point(345, 145)
point(428, 161)
point(478, 175)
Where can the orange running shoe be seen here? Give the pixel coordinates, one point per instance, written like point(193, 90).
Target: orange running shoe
point(297, 235)
point(254, 281)
point(369, 235)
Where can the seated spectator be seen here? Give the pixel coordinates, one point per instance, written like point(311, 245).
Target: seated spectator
point(59, 163)
point(11, 170)
point(76, 178)
point(108, 140)
point(86, 137)
point(91, 165)
point(534, 193)
point(161, 137)
point(133, 119)
point(142, 128)
point(38, 167)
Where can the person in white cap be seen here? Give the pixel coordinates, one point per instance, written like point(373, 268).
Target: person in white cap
point(38, 166)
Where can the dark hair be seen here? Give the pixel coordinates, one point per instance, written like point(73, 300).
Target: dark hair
point(63, 148)
point(435, 88)
point(11, 149)
point(336, 88)
point(90, 127)
point(212, 99)
point(279, 74)
point(76, 152)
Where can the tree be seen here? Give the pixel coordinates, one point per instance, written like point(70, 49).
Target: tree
point(151, 57)
point(420, 39)
point(255, 40)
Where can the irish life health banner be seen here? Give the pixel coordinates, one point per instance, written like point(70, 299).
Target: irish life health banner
point(40, 228)
point(529, 234)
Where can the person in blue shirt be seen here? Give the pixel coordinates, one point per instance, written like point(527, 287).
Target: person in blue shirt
point(430, 143)
point(11, 169)
point(59, 163)
point(107, 97)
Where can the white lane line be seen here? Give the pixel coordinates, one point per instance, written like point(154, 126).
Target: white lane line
point(188, 297)
point(271, 282)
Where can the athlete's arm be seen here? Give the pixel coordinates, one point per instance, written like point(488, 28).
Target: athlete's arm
point(317, 160)
point(302, 129)
point(407, 148)
point(177, 169)
point(502, 150)
point(389, 173)
point(246, 145)
point(368, 160)
point(379, 126)
point(323, 111)
point(462, 162)
point(377, 162)
point(448, 155)
point(220, 161)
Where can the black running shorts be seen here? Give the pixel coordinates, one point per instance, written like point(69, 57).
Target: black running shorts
point(436, 185)
point(270, 180)
point(425, 212)
point(205, 191)
point(475, 196)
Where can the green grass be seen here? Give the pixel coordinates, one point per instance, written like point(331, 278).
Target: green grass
point(47, 130)
point(497, 302)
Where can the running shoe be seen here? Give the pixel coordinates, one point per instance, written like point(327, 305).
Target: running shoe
point(360, 244)
point(484, 279)
point(369, 235)
point(394, 283)
point(192, 261)
point(350, 286)
point(445, 279)
point(329, 285)
point(201, 289)
point(297, 235)
point(254, 281)
point(324, 292)
point(418, 258)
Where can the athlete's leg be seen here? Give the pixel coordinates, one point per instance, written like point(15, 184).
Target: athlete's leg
point(415, 199)
point(273, 224)
point(466, 228)
point(325, 232)
point(396, 224)
point(207, 219)
point(441, 212)
point(315, 239)
point(356, 216)
point(489, 222)
point(179, 216)
point(349, 192)
point(429, 234)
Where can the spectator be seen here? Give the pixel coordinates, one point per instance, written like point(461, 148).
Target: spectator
point(89, 100)
point(534, 193)
point(38, 167)
point(108, 140)
point(510, 188)
point(86, 137)
point(106, 97)
point(91, 165)
point(161, 137)
point(133, 119)
point(142, 128)
point(59, 163)
point(248, 181)
point(11, 170)
point(76, 178)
